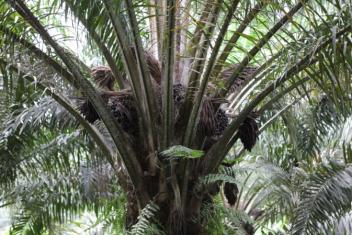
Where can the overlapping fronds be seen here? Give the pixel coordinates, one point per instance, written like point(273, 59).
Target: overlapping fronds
point(312, 198)
point(43, 201)
point(43, 153)
point(326, 195)
point(147, 221)
point(220, 220)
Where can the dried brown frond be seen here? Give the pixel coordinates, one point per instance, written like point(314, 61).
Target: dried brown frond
point(153, 66)
point(244, 76)
point(103, 77)
point(152, 63)
point(207, 123)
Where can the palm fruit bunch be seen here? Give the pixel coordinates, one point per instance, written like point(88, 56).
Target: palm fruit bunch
point(123, 108)
point(249, 131)
point(213, 120)
point(230, 192)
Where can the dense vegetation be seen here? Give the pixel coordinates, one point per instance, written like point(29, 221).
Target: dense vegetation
point(176, 117)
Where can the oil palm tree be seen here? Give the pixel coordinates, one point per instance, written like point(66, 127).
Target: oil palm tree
point(162, 130)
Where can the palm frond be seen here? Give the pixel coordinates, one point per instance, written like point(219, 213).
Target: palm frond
point(35, 214)
point(147, 222)
point(182, 152)
point(116, 132)
point(229, 133)
point(168, 71)
point(327, 194)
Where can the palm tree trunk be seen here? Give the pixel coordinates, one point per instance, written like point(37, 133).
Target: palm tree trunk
point(175, 219)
